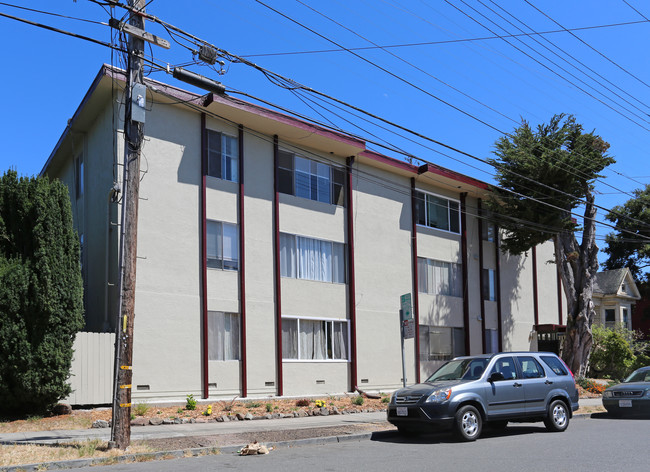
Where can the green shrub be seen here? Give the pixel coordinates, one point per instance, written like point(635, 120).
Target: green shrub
point(41, 294)
point(253, 405)
point(190, 403)
point(358, 400)
point(269, 408)
point(141, 408)
point(612, 355)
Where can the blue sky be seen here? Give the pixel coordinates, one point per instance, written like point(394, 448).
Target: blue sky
point(460, 92)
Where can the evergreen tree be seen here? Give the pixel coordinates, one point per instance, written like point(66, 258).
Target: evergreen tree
point(629, 246)
point(41, 307)
point(545, 175)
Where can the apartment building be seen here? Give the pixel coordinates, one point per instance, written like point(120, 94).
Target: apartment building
point(272, 252)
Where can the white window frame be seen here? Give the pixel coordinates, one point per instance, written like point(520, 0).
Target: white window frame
point(219, 353)
point(452, 267)
point(298, 346)
point(334, 189)
point(291, 255)
point(218, 262)
point(449, 212)
point(226, 159)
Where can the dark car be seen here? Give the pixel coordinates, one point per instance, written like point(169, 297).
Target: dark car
point(469, 391)
point(631, 397)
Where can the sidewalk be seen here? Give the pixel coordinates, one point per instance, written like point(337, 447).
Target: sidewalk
point(196, 429)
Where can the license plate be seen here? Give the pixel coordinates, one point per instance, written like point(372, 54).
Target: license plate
point(404, 411)
point(625, 403)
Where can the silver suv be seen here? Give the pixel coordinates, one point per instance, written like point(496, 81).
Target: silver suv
point(467, 392)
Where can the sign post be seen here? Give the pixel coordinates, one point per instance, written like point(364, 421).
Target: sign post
point(407, 327)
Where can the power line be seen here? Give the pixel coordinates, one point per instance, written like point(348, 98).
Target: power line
point(591, 47)
point(447, 41)
point(550, 69)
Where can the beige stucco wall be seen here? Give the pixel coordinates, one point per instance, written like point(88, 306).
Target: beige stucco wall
point(382, 225)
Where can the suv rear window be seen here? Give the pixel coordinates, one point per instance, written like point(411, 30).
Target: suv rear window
point(555, 364)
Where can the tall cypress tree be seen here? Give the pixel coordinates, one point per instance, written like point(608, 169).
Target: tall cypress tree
point(41, 307)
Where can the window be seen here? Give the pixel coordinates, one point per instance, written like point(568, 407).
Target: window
point(506, 367)
point(223, 156)
point(312, 259)
point(441, 342)
point(310, 179)
point(489, 290)
point(79, 176)
point(491, 341)
point(308, 339)
point(625, 317)
point(222, 246)
point(439, 278)
point(437, 212)
point(555, 364)
point(223, 336)
point(489, 231)
point(530, 368)
point(610, 317)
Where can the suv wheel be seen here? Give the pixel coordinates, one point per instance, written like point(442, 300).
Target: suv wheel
point(557, 416)
point(467, 423)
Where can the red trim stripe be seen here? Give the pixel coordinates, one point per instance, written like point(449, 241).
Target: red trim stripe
point(352, 282)
point(416, 295)
point(465, 269)
point(204, 263)
point(278, 279)
point(242, 268)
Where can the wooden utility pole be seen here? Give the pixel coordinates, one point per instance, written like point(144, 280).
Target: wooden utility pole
point(135, 97)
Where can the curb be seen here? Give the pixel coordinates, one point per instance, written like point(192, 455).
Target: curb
point(178, 454)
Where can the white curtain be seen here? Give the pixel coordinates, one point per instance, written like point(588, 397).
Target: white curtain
point(338, 263)
point(314, 259)
point(223, 336)
point(287, 255)
point(312, 340)
point(231, 337)
point(422, 275)
point(340, 341)
point(289, 339)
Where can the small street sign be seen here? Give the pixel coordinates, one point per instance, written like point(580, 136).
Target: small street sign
point(408, 329)
point(405, 305)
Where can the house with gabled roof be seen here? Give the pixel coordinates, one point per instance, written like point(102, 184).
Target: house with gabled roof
point(615, 293)
point(274, 254)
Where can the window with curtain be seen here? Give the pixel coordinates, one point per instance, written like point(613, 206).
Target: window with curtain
point(441, 342)
point(223, 156)
point(437, 212)
point(310, 179)
point(223, 336)
point(439, 278)
point(312, 259)
point(222, 245)
point(310, 339)
point(489, 290)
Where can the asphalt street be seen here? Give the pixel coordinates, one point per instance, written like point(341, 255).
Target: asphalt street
point(590, 444)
